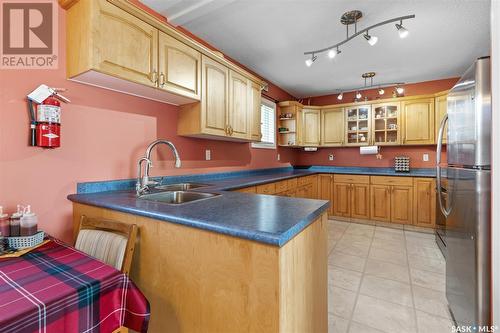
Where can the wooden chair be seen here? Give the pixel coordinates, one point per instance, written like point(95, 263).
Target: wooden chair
point(109, 241)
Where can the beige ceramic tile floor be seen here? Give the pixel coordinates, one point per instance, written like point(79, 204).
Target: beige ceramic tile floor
point(384, 280)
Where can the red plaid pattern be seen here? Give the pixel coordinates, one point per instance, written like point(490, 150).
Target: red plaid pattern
point(57, 288)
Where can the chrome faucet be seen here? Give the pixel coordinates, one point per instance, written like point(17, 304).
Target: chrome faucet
point(142, 185)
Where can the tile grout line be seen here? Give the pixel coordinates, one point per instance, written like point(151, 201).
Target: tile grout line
point(411, 284)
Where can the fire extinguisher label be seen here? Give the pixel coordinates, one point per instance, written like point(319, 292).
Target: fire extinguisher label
point(51, 136)
point(49, 113)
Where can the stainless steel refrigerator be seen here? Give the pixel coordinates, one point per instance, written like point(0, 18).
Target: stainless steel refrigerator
point(467, 210)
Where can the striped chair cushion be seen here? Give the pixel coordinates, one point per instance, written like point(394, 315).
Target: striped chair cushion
point(106, 246)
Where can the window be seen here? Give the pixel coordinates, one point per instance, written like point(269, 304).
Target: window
point(267, 125)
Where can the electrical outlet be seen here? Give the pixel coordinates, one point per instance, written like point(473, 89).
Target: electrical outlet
point(425, 157)
point(279, 157)
point(208, 155)
point(330, 157)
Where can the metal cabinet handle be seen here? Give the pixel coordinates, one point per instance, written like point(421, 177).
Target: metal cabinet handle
point(154, 77)
point(162, 79)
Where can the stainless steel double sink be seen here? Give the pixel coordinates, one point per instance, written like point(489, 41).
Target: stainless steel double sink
point(176, 194)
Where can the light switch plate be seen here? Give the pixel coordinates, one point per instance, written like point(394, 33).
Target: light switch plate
point(425, 157)
point(208, 155)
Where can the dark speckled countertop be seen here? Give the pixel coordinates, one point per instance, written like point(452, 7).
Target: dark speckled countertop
point(263, 218)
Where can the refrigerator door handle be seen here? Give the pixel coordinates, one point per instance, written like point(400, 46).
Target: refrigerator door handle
point(446, 212)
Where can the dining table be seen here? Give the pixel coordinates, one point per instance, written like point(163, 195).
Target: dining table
point(56, 288)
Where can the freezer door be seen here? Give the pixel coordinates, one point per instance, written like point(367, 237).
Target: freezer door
point(469, 117)
point(468, 246)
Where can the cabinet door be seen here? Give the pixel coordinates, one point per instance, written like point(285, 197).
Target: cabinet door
point(386, 124)
point(380, 200)
point(124, 46)
point(360, 201)
point(342, 202)
point(424, 209)
point(401, 204)
point(418, 121)
point(441, 110)
point(254, 112)
point(358, 125)
point(310, 127)
point(238, 105)
point(215, 97)
point(325, 190)
point(332, 127)
point(179, 67)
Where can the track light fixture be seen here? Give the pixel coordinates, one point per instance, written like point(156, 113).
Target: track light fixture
point(372, 40)
point(310, 61)
point(340, 96)
point(402, 31)
point(351, 18)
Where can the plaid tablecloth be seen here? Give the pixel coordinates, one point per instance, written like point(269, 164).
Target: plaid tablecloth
point(56, 288)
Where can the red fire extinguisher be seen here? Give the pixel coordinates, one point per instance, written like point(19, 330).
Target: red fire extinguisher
point(45, 116)
point(48, 123)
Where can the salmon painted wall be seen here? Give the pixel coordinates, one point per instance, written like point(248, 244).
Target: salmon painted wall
point(103, 135)
point(351, 156)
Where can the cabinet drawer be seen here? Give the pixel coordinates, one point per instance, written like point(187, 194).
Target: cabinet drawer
point(266, 189)
point(392, 180)
point(301, 181)
point(292, 183)
point(351, 179)
point(281, 186)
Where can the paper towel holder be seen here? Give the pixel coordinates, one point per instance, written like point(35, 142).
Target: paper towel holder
point(369, 150)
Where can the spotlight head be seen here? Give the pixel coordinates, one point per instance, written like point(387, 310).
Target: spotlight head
point(332, 53)
point(372, 40)
point(340, 96)
point(400, 90)
point(402, 31)
point(310, 61)
point(381, 91)
point(358, 95)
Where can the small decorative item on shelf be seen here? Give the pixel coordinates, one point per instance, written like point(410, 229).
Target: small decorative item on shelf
point(402, 164)
point(393, 126)
point(283, 129)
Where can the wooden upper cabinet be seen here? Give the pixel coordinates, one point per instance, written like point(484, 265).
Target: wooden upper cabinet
point(402, 204)
point(332, 127)
point(215, 97)
point(424, 203)
point(310, 127)
point(122, 45)
point(357, 125)
point(380, 200)
point(386, 124)
point(418, 121)
point(441, 110)
point(179, 67)
point(238, 106)
point(254, 112)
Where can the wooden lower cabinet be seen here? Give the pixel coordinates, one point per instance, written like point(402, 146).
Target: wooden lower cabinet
point(325, 190)
point(360, 201)
point(424, 203)
point(342, 202)
point(380, 199)
point(401, 204)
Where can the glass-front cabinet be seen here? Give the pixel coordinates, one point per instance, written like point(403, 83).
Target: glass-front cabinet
point(386, 124)
point(358, 124)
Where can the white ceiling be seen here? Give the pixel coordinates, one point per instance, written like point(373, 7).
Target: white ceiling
point(270, 37)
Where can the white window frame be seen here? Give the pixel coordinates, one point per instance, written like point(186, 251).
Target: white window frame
point(268, 145)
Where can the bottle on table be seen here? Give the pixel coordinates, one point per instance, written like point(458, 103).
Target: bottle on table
point(15, 222)
point(4, 223)
point(28, 223)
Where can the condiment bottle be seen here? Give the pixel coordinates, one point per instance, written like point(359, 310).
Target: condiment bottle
point(29, 222)
point(15, 222)
point(4, 223)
